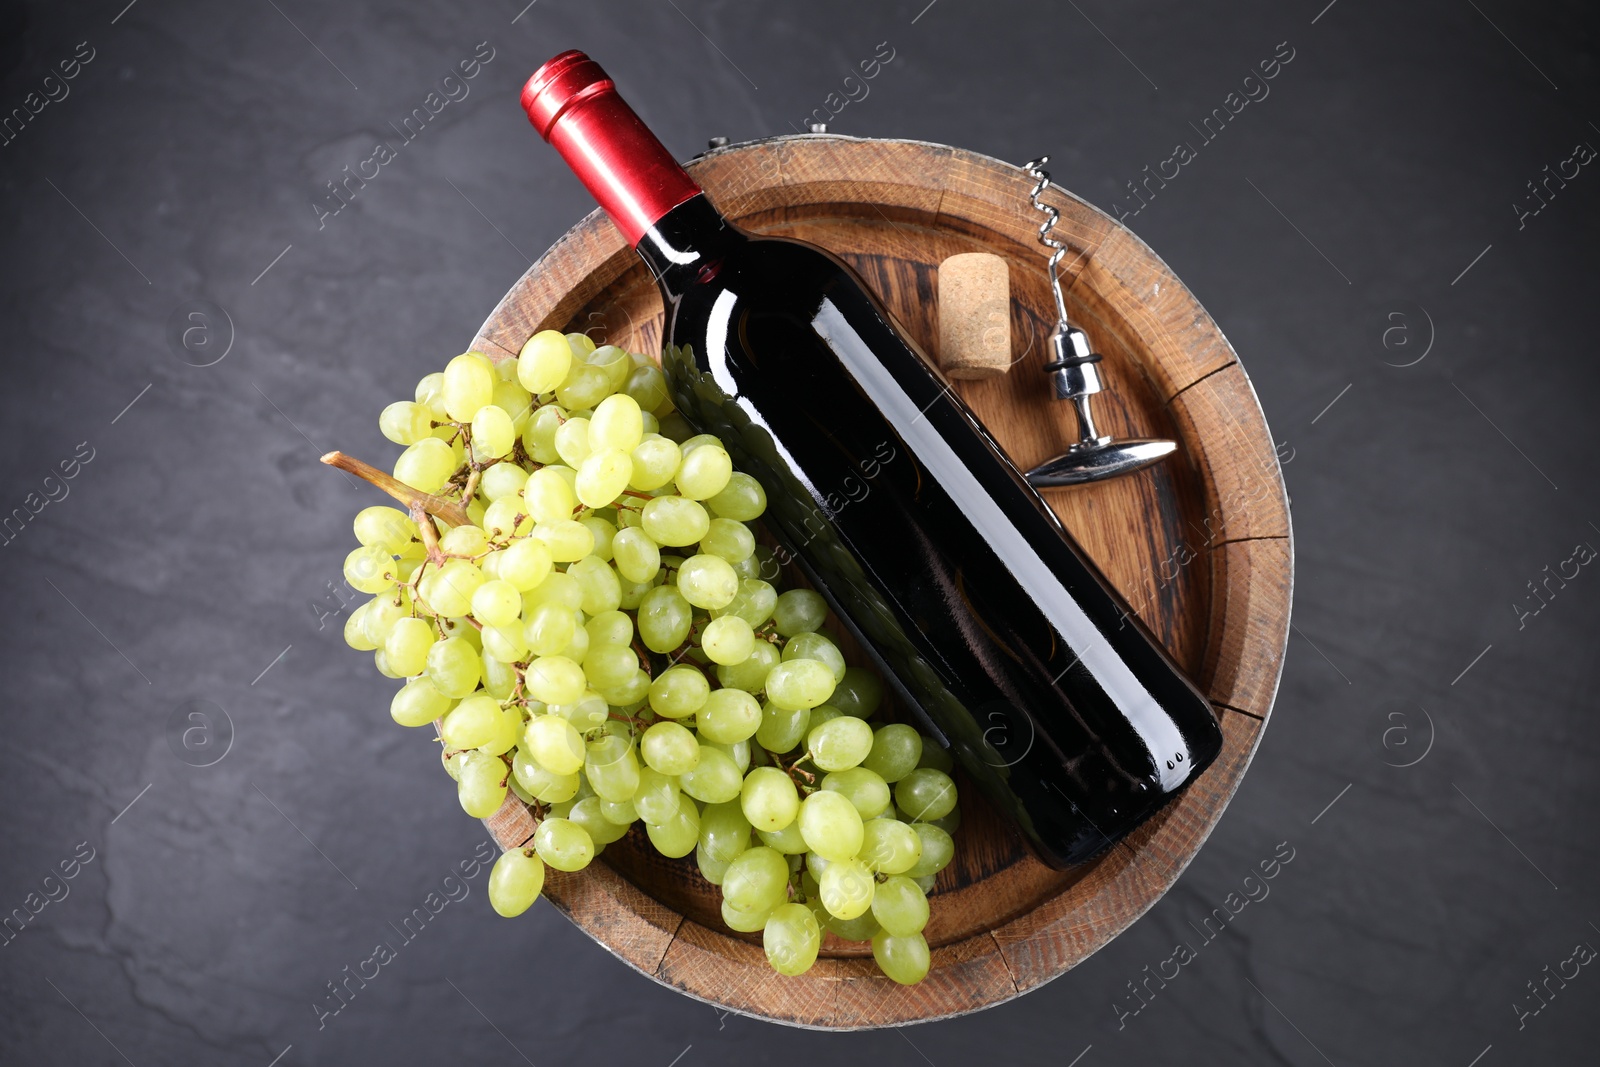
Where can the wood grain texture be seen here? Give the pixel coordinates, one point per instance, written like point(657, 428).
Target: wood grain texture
point(1200, 546)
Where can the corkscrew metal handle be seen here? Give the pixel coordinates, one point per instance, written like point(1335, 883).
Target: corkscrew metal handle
point(1075, 376)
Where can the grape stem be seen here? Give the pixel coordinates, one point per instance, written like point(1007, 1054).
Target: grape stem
point(450, 511)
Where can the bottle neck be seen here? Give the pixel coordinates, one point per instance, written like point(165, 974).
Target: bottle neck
point(575, 106)
point(687, 245)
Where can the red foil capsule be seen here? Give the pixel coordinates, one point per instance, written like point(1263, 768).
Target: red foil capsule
point(574, 105)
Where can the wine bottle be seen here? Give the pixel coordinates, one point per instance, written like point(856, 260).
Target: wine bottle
point(898, 505)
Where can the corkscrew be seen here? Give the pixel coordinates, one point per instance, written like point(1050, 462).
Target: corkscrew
point(1075, 377)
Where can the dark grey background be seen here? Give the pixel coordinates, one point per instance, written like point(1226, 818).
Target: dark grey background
point(1386, 161)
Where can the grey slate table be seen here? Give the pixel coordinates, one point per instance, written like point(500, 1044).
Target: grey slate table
point(1417, 317)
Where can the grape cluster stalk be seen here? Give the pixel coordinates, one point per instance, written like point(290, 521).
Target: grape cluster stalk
point(576, 597)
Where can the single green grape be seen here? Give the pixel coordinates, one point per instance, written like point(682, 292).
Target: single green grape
point(619, 812)
point(862, 928)
point(515, 882)
point(618, 423)
point(925, 794)
point(704, 472)
point(616, 364)
point(647, 386)
point(811, 645)
point(602, 590)
point(637, 556)
point(937, 851)
point(492, 433)
point(714, 779)
point(587, 814)
point(549, 629)
point(845, 886)
point(675, 520)
point(707, 581)
point(547, 496)
point(669, 748)
point(728, 716)
point(370, 569)
point(862, 787)
point(603, 475)
point(448, 590)
point(453, 667)
point(737, 919)
point(800, 683)
point(757, 879)
point(585, 386)
point(711, 869)
point(572, 441)
point(540, 782)
point(407, 646)
point(612, 768)
point(609, 628)
point(502, 520)
point(753, 602)
point(608, 665)
point(664, 619)
point(464, 541)
point(499, 678)
point(554, 680)
point(418, 703)
point(896, 748)
point(567, 539)
point(508, 731)
point(904, 959)
point(858, 693)
point(430, 394)
point(679, 834)
point(563, 844)
point(657, 799)
point(496, 603)
point(543, 362)
point(751, 674)
point(381, 614)
point(678, 692)
point(889, 846)
point(525, 564)
point(788, 840)
point(899, 906)
point(724, 831)
point(481, 786)
point(791, 939)
point(799, 611)
point(769, 799)
point(830, 825)
point(555, 743)
point(389, 528)
point(585, 713)
point(604, 532)
point(558, 587)
point(738, 752)
point(655, 461)
point(539, 436)
point(468, 385)
point(781, 728)
point(839, 744)
point(742, 499)
point(630, 692)
point(405, 422)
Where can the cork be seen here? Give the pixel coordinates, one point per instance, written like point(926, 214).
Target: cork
point(974, 316)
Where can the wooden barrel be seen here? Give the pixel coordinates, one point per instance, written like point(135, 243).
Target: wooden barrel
point(1200, 545)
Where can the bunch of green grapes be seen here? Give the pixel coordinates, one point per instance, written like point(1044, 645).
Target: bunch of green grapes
point(605, 639)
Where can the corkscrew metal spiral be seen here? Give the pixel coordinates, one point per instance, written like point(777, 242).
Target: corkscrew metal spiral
point(1075, 377)
point(1041, 177)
